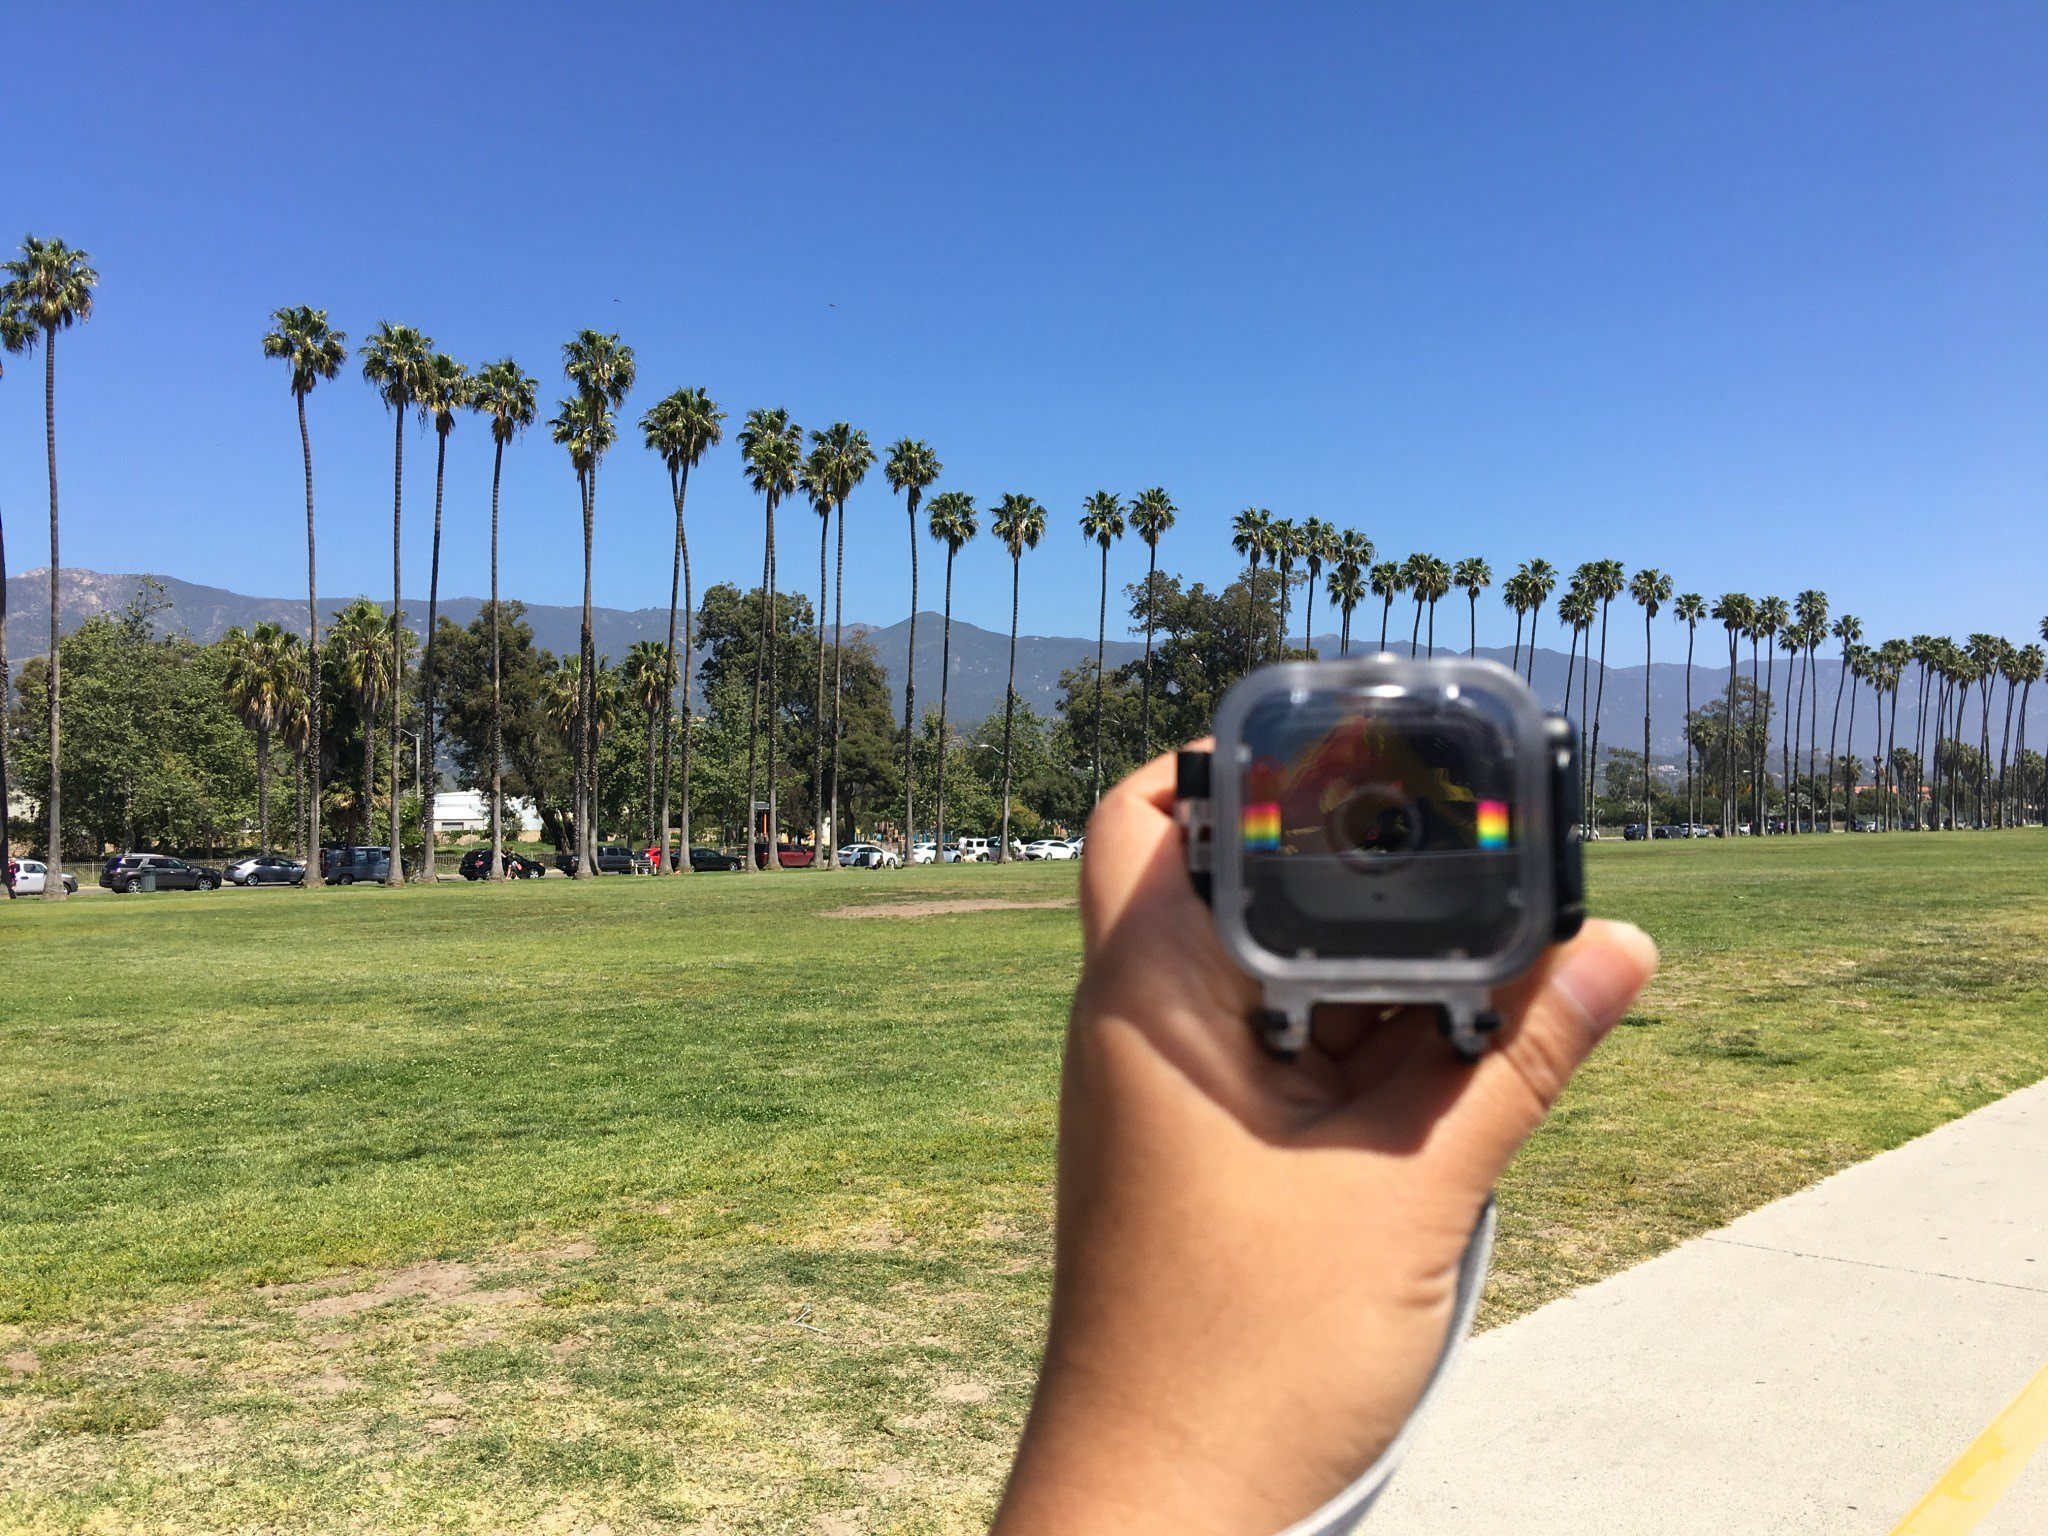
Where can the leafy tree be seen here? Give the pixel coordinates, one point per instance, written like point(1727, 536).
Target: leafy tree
point(256, 682)
point(48, 288)
point(315, 350)
point(496, 713)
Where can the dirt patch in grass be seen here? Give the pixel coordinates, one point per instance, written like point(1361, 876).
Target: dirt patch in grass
point(440, 1283)
point(940, 908)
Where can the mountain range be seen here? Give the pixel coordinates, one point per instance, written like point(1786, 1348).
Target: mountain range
point(979, 656)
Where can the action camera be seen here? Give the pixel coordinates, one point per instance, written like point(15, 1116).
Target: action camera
point(1385, 830)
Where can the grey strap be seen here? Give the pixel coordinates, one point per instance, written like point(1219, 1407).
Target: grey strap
point(1348, 1509)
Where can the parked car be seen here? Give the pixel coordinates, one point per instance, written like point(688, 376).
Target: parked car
point(971, 850)
point(713, 861)
point(924, 851)
point(266, 869)
point(789, 855)
point(868, 856)
point(1050, 848)
point(125, 872)
point(31, 877)
point(476, 865)
point(355, 865)
point(612, 859)
point(1632, 833)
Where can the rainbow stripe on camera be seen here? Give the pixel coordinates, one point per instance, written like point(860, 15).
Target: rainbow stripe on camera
point(1261, 827)
point(1493, 824)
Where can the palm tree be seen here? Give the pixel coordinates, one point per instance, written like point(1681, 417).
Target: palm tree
point(505, 394)
point(1251, 532)
point(848, 458)
point(1811, 607)
point(396, 360)
point(6, 695)
point(447, 391)
point(294, 721)
point(1388, 583)
point(1893, 657)
point(315, 350)
point(1019, 522)
point(360, 640)
point(2008, 669)
point(1578, 608)
point(2027, 667)
point(48, 288)
point(1542, 581)
point(1283, 548)
point(650, 678)
point(1102, 524)
point(256, 681)
point(1430, 580)
point(1689, 610)
point(1735, 612)
point(1318, 541)
point(813, 479)
point(1849, 630)
point(1605, 580)
point(583, 425)
point(1347, 591)
point(601, 369)
point(911, 468)
point(680, 427)
point(952, 524)
point(1767, 619)
point(1514, 593)
point(771, 445)
point(1475, 576)
point(1151, 515)
point(1651, 588)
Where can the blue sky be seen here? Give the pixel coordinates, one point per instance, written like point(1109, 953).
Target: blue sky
point(1753, 293)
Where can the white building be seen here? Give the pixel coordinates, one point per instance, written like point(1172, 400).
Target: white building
point(469, 810)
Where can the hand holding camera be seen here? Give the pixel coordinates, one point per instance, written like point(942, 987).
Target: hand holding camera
point(1258, 1257)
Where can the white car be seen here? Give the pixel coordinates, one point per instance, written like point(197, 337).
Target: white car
point(924, 851)
point(971, 850)
point(32, 878)
point(1049, 848)
point(868, 856)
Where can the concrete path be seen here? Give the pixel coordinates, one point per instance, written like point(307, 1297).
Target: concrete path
point(1814, 1368)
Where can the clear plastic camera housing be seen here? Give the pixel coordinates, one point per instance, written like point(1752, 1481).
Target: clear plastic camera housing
point(1382, 829)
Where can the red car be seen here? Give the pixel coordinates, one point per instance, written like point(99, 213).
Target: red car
point(789, 856)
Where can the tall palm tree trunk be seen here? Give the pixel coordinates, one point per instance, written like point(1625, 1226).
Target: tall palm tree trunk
point(6, 697)
point(1535, 614)
point(1415, 632)
point(1729, 815)
point(1432, 626)
point(1788, 739)
point(1592, 804)
point(1646, 723)
point(1386, 613)
point(497, 686)
point(1812, 732)
point(53, 887)
point(1308, 612)
point(818, 731)
point(754, 864)
point(689, 667)
point(1151, 569)
point(1251, 615)
point(945, 679)
point(910, 699)
point(396, 874)
point(1515, 656)
point(1599, 701)
point(1101, 631)
point(2004, 749)
point(1692, 810)
point(1757, 756)
point(586, 830)
point(1841, 681)
point(774, 708)
point(1009, 706)
point(830, 853)
point(263, 789)
point(314, 876)
point(1472, 617)
point(678, 862)
point(427, 873)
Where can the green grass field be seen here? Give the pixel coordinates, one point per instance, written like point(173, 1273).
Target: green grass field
point(711, 1206)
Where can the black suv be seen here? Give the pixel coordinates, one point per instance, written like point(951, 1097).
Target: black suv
point(612, 859)
point(710, 860)
point(355, 866)
point(124, 872)
point(476, 865)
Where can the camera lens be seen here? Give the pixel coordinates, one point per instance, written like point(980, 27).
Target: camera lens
point(1374, 827)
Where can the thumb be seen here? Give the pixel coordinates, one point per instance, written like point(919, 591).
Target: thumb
point(1550, 1021)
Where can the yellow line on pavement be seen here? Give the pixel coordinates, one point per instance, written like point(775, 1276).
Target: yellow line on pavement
point(1980, 1476)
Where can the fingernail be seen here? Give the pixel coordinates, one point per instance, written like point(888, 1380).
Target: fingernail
point(1603, 972)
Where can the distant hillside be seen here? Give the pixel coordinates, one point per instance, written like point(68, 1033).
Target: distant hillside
point(978, 660)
